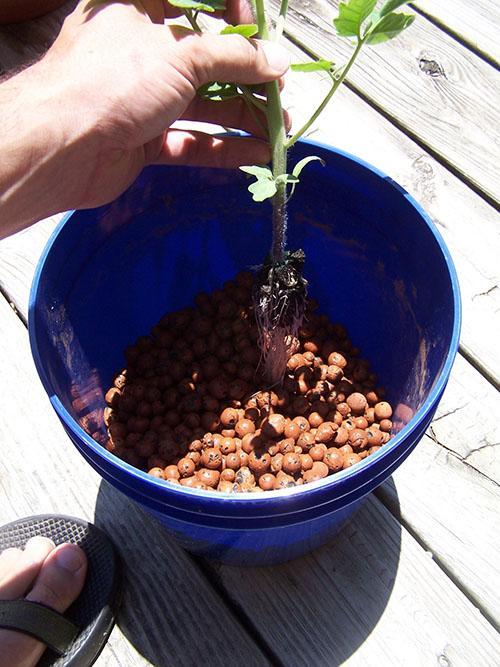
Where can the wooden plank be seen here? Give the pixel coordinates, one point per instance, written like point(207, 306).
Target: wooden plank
point(19, 255)
point(466, 420)
point(171, 614)
point(372, 596)
point(455, 511)
point(428, 83)
point(475, 23)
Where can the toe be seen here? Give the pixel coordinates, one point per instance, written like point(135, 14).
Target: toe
point(61, 577)
point(18, 569)
point(8, 560)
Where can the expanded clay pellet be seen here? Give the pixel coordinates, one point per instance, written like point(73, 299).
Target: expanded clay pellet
point(191, 408)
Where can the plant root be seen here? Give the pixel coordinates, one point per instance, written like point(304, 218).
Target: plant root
point(280, 303)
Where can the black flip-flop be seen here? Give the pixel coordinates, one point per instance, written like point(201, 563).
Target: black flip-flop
point(76, 638)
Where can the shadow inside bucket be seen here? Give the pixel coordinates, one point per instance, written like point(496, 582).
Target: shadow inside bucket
point(318, 609)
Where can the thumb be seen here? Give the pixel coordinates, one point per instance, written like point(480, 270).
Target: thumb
point(234, 58)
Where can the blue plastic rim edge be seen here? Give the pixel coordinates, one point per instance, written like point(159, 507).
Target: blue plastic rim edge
point(331, 481)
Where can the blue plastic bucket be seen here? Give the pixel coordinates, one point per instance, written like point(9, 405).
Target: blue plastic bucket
point(375, 263)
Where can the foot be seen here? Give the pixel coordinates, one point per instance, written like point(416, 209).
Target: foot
point(42, 572)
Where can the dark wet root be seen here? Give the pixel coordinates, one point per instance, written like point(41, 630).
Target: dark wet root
point(279, 297)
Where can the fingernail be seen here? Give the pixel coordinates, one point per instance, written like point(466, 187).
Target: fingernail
point(277, 56)
point(70, 558)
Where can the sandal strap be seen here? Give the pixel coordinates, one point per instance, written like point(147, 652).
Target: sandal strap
point(39, 621)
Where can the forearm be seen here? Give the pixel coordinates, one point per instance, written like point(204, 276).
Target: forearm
point(33, 146)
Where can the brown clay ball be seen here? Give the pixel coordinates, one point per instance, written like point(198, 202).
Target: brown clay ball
point(273, 426)
point(351, 459)
point(244, 427)
point(383, 410)
point(186, 467)
point(191, 408)
point(318, 471)
point(357, 402)
point(267, 481)
point(334, 459)
point(211, 458)
point(291, 463)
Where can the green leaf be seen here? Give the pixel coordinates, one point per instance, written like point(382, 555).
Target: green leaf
point(258, 172)
point(205, 6)
point(391, 5)
point(245, 29)
point(389, 27)
point(317, 65)
point(302, 163)
point(218, 92)
point(351, 16)
point(262, 189)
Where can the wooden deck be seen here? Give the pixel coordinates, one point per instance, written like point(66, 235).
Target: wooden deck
point(414, 579)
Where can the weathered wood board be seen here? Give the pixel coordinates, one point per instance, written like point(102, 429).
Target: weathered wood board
point(466, 421)
point(455, 513)
point(476, 23)
point(366, 609)
point(427, 82)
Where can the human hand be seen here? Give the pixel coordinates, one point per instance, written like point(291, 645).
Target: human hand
point(114, 81)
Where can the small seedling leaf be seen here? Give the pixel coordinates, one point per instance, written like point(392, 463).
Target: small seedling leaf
point(316, 66)
point(258, 172)
point(391, 5)
point(289, 179)
point(302, 163)
point(245, 29)
point(351, 16)
point(218, 92)
point(262, 189)
point(389, 26)
point(205, 6)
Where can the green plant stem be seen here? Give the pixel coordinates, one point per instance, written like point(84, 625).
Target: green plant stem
point(248, 95)
point(192, 20)
point(337, 82)
point(277, 138)
point(280, 21)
